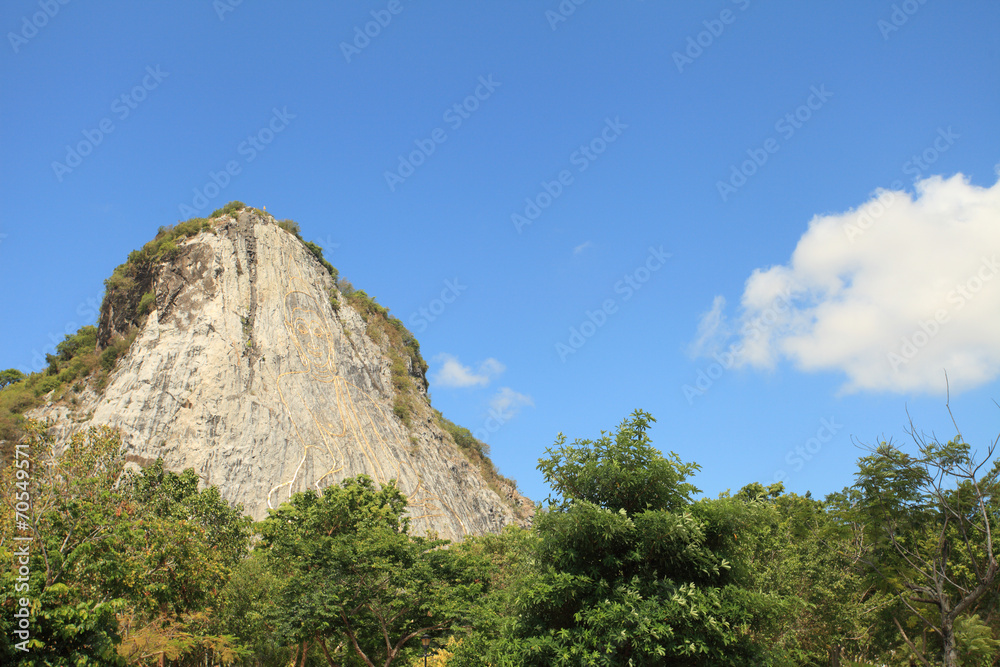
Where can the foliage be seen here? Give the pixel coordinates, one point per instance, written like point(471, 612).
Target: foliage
point(84, 340)
point(68, 631)
point(317, 252)
point(291, 227)
point(175, 496)
point(10, 376)
point(127, 293)
point(356, 581)
point(619, 472)
point(345, 287)
point(463, 437)
point(407, 365)
point(438, 656)
point(117, 348)
point(510, 559)
point(928, 522)
point(366, 306)
point(146, 303)
point(75, 358)
point(229, 209)
point(247, 609)
point(627, 573)
point(792, 548)
point(132, 561)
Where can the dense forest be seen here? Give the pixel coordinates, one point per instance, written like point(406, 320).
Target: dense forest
point(103, 564)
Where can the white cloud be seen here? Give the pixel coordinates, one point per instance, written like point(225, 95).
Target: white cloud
point(583, 246)
point(507, 402)
point(712, 329)
point(892, 294)
point(453, 374)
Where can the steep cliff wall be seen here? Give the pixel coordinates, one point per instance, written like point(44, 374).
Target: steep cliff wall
point(254, 370)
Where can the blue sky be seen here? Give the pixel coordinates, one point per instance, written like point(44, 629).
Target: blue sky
point(746, 211)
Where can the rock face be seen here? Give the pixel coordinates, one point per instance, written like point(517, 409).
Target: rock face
point(247, 372)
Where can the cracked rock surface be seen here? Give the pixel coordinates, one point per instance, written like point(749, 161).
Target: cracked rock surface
point(245, 372)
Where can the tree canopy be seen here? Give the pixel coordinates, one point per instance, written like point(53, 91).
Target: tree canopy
point(624, 565)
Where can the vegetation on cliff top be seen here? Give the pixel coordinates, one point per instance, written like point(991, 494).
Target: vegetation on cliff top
point(90, 354)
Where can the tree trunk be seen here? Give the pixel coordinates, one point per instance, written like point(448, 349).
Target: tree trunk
point(834, 656)
point(950, 649)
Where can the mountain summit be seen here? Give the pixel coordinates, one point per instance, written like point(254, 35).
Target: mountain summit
point(251, 363)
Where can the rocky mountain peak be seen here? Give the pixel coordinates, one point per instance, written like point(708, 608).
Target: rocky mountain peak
point(251, 364)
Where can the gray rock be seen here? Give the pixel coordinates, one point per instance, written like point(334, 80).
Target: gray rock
point(246, 373)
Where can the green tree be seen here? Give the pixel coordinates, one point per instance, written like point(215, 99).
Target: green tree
point(820, 603)
point(356, 582)
point(509, 561)
point(10, 376)
point(629, 570)
point(929, 521)
point(247, 605)
point(622, 471)
point(126, 563)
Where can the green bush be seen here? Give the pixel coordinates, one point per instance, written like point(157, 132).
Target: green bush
point(231, 207)
point(84, 340)
point(18, 398)
point(317, 251)
point(146, 303)
point(128, 285)
point(108, 358)
point(291, 227)
point(463, 437)
point(345, 286)
point(46, 384)
point(10, 376)
point(366, 305)
point(402, 410)
point(117, 348)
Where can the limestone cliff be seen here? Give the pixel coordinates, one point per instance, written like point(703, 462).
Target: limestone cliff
point(251, 367)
